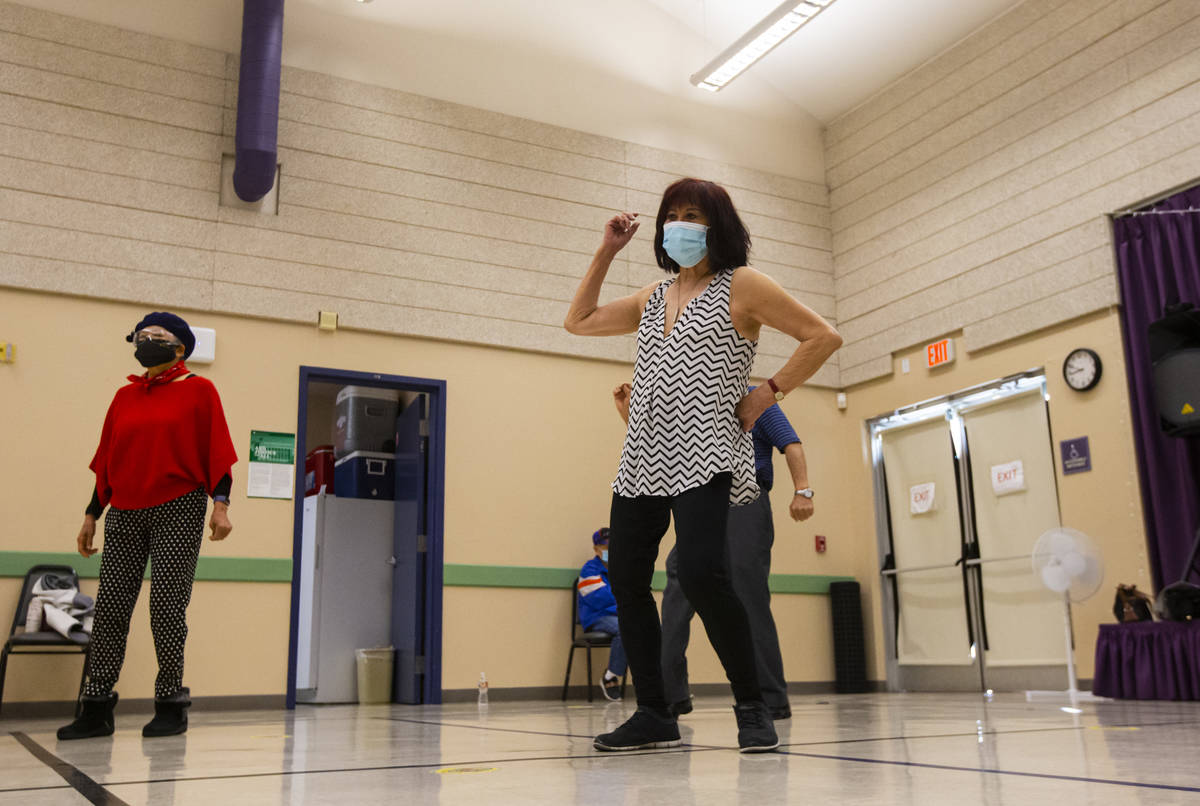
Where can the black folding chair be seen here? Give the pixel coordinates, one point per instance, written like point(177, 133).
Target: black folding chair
point(581, 639)
point(43, 642)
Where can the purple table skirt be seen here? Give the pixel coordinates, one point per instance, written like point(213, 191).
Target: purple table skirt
point(1147, 660)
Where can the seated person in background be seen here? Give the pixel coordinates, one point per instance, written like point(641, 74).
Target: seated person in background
point(598, 612)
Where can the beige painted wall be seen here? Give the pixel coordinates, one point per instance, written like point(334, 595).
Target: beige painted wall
point(532, 445)
point(968, 196)
point(972, 193)
point(402, 213)
point(619, 70)
point(1104, 503)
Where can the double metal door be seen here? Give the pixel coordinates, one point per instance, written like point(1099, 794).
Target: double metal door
point(965, 485)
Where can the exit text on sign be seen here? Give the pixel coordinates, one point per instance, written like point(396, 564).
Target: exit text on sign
point(938, 353)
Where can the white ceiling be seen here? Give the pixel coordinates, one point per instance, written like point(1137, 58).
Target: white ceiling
point(616, 68)
point(853, 50)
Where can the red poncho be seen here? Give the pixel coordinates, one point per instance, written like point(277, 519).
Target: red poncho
point(162, 438)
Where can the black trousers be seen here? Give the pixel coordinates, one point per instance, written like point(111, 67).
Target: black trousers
point(169, 535)
point(751, 536)
point(636, 526)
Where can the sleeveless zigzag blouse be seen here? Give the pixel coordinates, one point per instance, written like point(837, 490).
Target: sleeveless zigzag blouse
point(682, 429)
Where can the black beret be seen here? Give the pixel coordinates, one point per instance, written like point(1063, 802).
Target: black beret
point(170, 323)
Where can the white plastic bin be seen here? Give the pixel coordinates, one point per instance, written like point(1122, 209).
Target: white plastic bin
point(374, 674)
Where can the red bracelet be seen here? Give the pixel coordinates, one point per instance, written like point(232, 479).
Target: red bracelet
point(774, 388)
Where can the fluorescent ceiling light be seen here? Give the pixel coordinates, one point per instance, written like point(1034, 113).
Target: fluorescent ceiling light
point(758, 42)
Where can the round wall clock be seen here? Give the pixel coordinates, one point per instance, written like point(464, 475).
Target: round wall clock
point(1081, 369)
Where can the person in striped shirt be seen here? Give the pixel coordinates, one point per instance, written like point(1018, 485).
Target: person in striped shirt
point(753, 534)
point(598, 612)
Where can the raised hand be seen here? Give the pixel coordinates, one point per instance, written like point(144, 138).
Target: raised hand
point(619, 230)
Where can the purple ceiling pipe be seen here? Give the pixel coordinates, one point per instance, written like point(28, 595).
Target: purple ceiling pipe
point(258, 99)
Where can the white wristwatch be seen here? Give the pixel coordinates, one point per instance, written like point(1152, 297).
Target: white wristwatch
point(807, 492)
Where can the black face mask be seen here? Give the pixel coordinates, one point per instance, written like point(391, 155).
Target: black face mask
point(151, 353)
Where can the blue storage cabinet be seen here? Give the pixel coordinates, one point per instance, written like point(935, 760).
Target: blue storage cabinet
point(365, 474)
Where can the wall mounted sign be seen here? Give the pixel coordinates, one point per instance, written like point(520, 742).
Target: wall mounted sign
point(1076, 455)
point(920, 498)
point(1008, 477)
point(939, 353)
point(272, 471)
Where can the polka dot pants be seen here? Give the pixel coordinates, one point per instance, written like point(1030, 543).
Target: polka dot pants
point(169, 535)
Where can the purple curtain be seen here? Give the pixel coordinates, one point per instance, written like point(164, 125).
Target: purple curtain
point(1158, 263)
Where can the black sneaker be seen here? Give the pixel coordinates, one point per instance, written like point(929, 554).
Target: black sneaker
point(756, 734)
point(610, 687)
point(779, 712)
point(641, 731)
point(680, 708)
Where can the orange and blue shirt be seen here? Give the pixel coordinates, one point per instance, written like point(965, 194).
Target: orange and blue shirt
point(595, 596)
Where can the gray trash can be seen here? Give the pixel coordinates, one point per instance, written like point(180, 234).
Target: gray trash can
point(374, 674)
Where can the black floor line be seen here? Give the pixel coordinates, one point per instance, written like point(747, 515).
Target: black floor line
point(992, 771)
point(64, 769)
point(597, 756)
point(996, 732)
point(80, 782)
point(485, 727)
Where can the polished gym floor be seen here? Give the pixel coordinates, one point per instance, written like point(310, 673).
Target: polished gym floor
point(922, 749)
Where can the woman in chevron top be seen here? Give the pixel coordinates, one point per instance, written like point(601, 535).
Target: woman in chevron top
point(688, 452)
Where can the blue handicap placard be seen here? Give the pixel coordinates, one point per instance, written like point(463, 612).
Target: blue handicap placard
point(1076, 456)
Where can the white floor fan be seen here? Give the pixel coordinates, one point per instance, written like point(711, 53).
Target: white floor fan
point(1068, 563)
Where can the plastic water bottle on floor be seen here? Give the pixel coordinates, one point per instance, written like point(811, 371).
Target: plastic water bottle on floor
point(483, 689)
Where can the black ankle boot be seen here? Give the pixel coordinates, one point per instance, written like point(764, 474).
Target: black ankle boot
point(95, 718)
point(170, 715)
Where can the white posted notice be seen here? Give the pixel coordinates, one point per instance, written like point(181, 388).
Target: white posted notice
point(272, 472)
point(920, 498)
point(1008, 477)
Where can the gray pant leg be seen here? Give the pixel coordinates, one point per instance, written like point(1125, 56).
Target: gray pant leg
point(751, 536)
point(677, 615)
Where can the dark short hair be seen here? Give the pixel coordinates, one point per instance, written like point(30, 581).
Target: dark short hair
point(728, 239)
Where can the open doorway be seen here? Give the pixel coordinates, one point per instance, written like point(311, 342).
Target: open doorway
point(368, 533)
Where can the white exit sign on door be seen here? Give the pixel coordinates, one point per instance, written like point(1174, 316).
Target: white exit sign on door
point(939, 353)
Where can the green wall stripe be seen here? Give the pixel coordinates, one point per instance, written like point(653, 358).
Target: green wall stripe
point(279, 569)
point(515, 576)
point(507, 576)
point(208, 569)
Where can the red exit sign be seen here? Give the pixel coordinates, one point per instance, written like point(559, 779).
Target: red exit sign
point(938, 353)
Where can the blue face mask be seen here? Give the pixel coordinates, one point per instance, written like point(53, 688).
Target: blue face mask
point(604, 554)
point(685, 243)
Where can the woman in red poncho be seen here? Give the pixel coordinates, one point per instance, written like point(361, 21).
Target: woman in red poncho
point(164, 449)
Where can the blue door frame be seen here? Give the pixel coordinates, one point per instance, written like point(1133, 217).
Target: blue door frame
point(434, 495)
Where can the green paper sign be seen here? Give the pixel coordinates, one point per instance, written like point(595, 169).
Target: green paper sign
point(272, 447)
point(272, 465)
